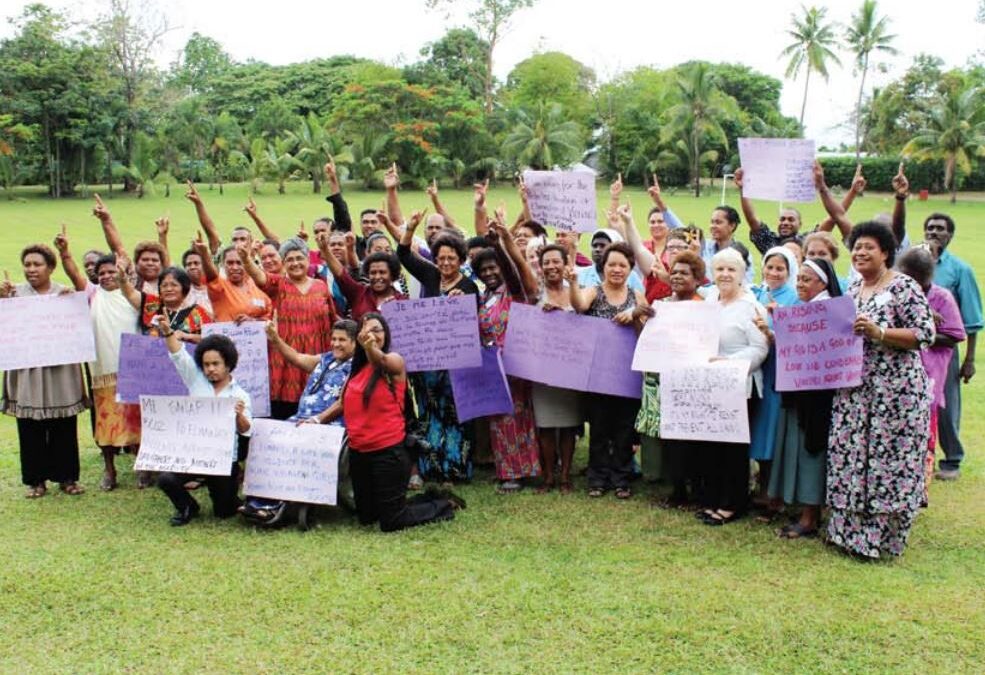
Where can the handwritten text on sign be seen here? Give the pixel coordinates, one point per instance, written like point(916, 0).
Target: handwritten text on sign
point(45, 330)
point(482, 391)
point(815, 346)
point(146, 369)
point(439, 333)
point(681, 333)
point(705, 402)
point(562, 199)
point(185, 434)
point(253, 369)
point(778, 169)
point(294, 463)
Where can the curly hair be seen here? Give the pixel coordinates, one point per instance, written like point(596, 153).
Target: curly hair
point(217, 343)
point(883, 236)
point(42, 250)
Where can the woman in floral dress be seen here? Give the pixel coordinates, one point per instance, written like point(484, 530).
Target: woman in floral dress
point(513, 437)
point(879, 429)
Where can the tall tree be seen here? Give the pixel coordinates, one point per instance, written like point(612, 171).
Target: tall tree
point(202, 60)
point(813, 40)
point(132, 32)
point(315, 146)
point(458, 57)
point(543, 137)
point(491, 19)
point(553, 77)
point(866, 33)
point(955, 134)
point(699, 116)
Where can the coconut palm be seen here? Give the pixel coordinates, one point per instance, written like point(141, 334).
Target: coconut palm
point(367, 152)
point(257, 165)
point(282, 164)
point(866, 33)
point(543, 137)
point(813, 40)
point(955, 133)
point(315, 145)
point(697, 118)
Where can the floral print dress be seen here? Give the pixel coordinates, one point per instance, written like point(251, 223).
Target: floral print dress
point(513, 437)
point(879, 430)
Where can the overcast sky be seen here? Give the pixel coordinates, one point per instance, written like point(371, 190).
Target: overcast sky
point(611, 36)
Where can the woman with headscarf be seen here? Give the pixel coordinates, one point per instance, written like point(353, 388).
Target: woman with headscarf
point(778, 289)
point(797, 472)
point(305, 314)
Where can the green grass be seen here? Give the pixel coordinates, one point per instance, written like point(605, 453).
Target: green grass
point(526, 582)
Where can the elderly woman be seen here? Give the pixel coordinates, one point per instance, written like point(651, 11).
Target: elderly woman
point(723, 470)
point(45, 400)
point(327, 374)
point(380, 269)
point(305, 314)
point(117, 424)
point(610, 453)
point(879, 430)
point(234, 297)
point(507, 277)
point(797, 472)
point(557, 411)
point(174, 287)
point(669, 458)
point(778, 289)
point(448, 455)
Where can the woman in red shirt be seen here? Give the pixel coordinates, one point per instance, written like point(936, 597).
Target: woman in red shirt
point(373, 405)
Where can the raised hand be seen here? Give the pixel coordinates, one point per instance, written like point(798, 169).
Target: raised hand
point(100, 210)
point(192, 194)
point(819, 183)
point(7, 289)
point(655, 195)
point(163, 225)
point(415, 219)
point(524, 193)
point(615, 190)
point(479, 196)
point(61, 241)
point(625, 213)
point(736, 178)
point(302, 233)
point(330, 171)
point(432, 189)
point(901, 185)
point(350, 240)
point(391, 179)
point(858, 180)
point(271, 328)
point(251, 208)
point(200, 246)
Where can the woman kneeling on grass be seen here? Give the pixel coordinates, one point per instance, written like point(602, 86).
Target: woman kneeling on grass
point(373, 404)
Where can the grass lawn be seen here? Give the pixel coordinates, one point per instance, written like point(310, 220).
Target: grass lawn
point(518, 583)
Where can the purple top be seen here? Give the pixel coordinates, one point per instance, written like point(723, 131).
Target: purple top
point(936, 359)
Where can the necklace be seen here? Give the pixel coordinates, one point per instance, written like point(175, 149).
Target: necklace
point(172, 319)
point(863, 296)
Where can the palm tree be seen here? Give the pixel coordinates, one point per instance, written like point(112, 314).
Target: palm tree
point(697, 117)
point(367, 157)
point(256, 163)
point(143, 167)
point(956, 132)
point(315, 145)
point(866, 34)
point(282, 164)
point(812, 46)
point(543, 138)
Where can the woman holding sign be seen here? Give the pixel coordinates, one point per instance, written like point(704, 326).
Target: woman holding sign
point(724, 468)
point(797, 473)
point(507, 277)
point(611, 418)
point(174, 286)
point(373, 404)
point(778, 289)
point(879, 430)
point(45, 400)
point(450, 442)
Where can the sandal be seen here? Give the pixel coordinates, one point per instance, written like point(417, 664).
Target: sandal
point(716, 519)
point(508, 487)
point(415, 482)
point(623, 493)
point(36, 491)
point(797, 531)
point(108, 483)
point(72, 488)
point(595, 493)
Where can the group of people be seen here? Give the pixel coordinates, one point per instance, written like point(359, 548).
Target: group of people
point(862, 455)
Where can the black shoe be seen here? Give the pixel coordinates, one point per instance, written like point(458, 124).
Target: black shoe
point(457, 502)
point(185, 515)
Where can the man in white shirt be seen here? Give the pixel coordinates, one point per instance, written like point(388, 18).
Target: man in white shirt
point(207, 374)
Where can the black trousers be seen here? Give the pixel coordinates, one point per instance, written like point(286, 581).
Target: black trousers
point(680, 466)
point(222, 490)
point(724, 475)
point(612, 429)
point(49, 450)
point(379, 481)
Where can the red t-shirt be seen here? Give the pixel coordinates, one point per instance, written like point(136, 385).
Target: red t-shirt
point(379, 424)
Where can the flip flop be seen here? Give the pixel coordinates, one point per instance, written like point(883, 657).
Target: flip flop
point(797, 531)
point(36, 492)
point(72, 488)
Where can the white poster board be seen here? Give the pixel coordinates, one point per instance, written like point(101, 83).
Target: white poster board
point(187, 434)
point(778, 169)
point(564, 200)
point(705, 402)
point(681, 333)
point(294, 463)
point(45, 330)
point(253, 369)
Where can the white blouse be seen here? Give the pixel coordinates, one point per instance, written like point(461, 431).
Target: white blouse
point(741, 339)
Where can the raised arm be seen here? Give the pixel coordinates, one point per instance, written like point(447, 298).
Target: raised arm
point(857, 188)
point(835, 210)
point(306, 362)
point(203, 218)
point(624, 218)
point(251, 211)
point(126, 285)
point(481, 218)
point(340, 210)
point(747, 208)
point(581, 298)
point(439, 208)
point(78, 279)
point(673, 222)
point(391, 181)
point(255, 271)
point(208, 266)
point(351, 257)
point(392, 363)
point(525, 215)
point(163, 225)
point(112, 234)
point(524, 276)
point(615, 192)
point(901, 186)
point(334, 264)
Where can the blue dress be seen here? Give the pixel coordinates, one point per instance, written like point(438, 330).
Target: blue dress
point(767, 415)
point(323, 388)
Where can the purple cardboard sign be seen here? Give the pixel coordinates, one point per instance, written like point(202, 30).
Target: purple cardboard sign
point(146, 369)
point(440, 333)
point(567, 350)
point(815, 346)
point(482, 391)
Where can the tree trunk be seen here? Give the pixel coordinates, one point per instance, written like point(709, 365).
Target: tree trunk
point(858, 110)
point(58, 168)
point(109, 171)
point(315, 183)
point(167, 189)
point(82, 170)
point(487, 80)
point(697, 165)
point(803, 105)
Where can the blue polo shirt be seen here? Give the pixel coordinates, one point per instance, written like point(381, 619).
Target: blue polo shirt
point(957, 277)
